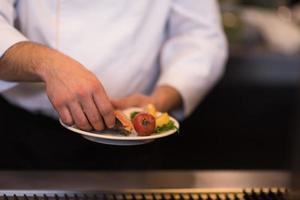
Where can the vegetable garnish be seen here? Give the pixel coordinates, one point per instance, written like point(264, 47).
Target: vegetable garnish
point(150, 108)
point(162, 119)
point(144, 124)
point(166, 127)
point(148, 117)
point(133, 114)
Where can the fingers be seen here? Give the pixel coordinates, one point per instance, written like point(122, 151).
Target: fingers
point(92, 114)
point(96, 111)
point(88, 112)
point(130, 101)
point(121, 104)
point(79, 117)
point(65, 115)
point(86, 115)
point(105, 108)
point(71, 91)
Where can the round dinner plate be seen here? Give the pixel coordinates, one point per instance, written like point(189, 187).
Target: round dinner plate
point(114, 137)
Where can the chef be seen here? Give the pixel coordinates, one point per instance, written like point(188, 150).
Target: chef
point(79, 60)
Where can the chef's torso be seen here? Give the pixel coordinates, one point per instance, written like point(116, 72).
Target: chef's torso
point(118, 40)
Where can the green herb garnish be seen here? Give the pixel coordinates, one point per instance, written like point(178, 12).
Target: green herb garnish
point(166, 127)
point(133, 114)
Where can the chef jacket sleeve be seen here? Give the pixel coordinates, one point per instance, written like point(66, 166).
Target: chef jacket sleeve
point(195, 50)
point(8, 34)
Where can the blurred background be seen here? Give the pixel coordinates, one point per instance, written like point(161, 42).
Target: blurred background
point(248, 120)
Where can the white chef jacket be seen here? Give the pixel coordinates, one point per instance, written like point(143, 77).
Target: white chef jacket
point(131, 46)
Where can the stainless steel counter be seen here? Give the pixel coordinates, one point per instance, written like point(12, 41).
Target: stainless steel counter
point(110, 180)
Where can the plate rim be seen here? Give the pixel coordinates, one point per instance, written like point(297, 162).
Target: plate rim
point(124, 138)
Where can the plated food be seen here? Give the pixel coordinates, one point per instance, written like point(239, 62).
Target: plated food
point(134, 126)
point(144, 122)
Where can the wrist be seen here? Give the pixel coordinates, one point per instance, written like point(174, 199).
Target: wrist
point(34, 60)
point(50, 64)
point(45, 65)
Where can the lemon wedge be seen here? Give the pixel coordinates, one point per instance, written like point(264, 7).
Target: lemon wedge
point(151, 110)
point(163, 119)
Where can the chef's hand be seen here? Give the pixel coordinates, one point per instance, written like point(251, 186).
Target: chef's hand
point(77, 95)
point(165, 98)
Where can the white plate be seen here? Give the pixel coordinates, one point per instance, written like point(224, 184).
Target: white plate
point(116, 138)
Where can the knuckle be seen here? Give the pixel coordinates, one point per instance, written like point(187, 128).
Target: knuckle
point(82, 93)
point(59, 103)
point(62, 101)
point(56, 105)
point(95, 85)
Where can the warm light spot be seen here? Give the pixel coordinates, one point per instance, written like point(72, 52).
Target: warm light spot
point(284, 13)
point(230, 19)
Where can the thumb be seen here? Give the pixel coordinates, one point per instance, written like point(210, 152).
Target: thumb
point(119, 104)
point(126, 102)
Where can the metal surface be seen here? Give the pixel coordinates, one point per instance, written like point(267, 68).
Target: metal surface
point(253, 194)
point(110, 180)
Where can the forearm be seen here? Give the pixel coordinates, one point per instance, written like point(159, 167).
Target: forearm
point(167, 98)
point(27, 61)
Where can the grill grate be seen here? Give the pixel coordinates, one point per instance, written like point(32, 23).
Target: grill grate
point(247, 194)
